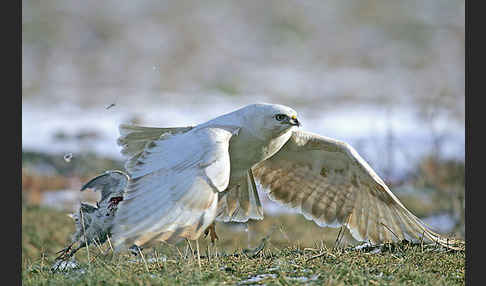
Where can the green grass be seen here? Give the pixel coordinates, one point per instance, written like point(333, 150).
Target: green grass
point(296, 252)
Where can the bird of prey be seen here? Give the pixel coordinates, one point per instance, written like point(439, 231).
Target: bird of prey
point(94, 222)
point(182, 179)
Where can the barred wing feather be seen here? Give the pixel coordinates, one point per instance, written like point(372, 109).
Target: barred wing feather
point(328, 181)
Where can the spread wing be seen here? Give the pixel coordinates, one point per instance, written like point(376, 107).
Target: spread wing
point(173, 187)
point(328, 182)
point(133, 139)
point(111, 181)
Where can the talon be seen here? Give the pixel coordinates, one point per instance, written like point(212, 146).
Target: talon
point(214, 237)
point(211, 230)
point(64, 253)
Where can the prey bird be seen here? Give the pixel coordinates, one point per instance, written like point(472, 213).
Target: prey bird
point(183, 179)
point(93, 223)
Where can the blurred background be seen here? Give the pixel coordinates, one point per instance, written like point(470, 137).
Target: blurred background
point(385, 76)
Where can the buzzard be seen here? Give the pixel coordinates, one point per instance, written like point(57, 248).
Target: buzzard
point(182, 179)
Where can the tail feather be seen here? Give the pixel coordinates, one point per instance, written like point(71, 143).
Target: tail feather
point(240, 203)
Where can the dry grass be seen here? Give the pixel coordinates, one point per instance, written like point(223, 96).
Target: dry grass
point(296, 251)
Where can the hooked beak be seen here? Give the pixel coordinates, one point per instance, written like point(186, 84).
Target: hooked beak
point(294, 121)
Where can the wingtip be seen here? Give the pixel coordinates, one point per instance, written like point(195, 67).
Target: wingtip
point(88, 185)
point(84, 187)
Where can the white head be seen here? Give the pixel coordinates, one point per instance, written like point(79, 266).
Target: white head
point(269, 120)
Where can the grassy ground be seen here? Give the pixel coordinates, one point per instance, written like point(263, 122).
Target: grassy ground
point(296, 252)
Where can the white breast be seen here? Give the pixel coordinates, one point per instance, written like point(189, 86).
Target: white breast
point(246, 151)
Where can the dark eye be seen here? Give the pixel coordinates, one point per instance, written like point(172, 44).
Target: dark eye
point(280, 117)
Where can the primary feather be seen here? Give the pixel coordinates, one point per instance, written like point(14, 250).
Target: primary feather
point(182, 179)
point(331, 184)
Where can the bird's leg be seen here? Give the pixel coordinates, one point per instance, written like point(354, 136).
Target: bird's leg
point(212, 232)
point(69, 252)
point(62, 260)
point(64, 252)
point(76, 249)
